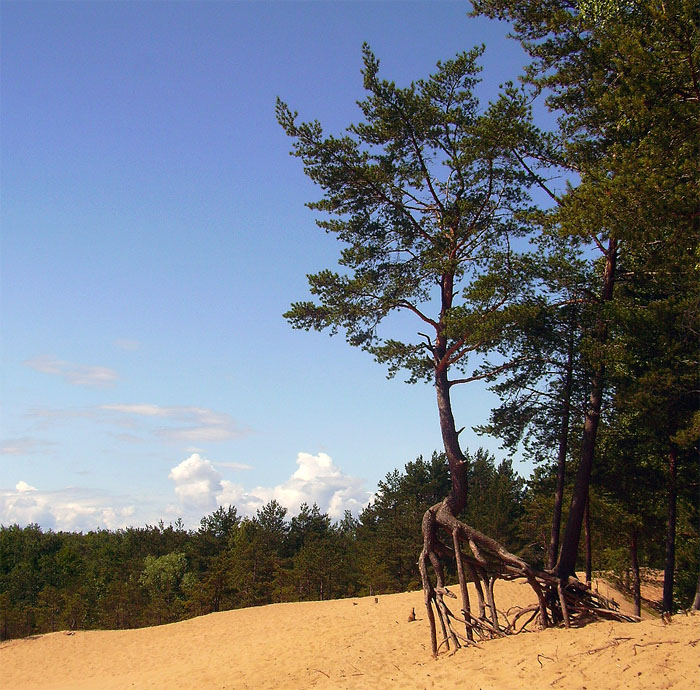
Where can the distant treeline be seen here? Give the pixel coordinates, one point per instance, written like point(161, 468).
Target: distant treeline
point(158, 574)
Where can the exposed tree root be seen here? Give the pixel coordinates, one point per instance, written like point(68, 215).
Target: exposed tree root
point(569, 603)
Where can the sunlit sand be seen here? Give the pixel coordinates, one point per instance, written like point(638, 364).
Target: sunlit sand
point(355, 643)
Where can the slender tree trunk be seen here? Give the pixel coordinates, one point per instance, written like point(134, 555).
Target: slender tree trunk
point(670, 566)
point(696, 601)
point(572, 534)
point(587, 528)
point(636, 581)
point(561, 456)
point(457, 499)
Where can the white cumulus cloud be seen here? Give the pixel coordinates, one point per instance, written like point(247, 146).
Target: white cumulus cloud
point(22, 486)
point(316, 480)
point(197, 482)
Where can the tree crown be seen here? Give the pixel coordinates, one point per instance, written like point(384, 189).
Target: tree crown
point(426, 194)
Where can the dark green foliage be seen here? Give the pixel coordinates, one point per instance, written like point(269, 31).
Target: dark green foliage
point(389, 533)
point(497, 495)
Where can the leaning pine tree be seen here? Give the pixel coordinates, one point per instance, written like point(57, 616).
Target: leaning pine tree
point(429, 197)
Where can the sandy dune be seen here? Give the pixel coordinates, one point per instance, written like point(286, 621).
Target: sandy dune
point(353, 643)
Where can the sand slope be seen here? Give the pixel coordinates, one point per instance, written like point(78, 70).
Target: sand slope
point(353, 643)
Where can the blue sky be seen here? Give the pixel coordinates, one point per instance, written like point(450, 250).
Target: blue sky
point(154, 231)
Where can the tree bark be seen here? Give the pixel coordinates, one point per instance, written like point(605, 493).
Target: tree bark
point(587, 528)
point(572, 535)
point(670, 566)
point(696, 601)
point(561, 456)
point(636, 581)
point(457, 499)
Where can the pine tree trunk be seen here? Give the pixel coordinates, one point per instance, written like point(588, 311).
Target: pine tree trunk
point(696, 601)
point(561, 458)
point(572, 534)
point(636, 581)
point(457, 499)
point(589, 554)
point(670, 566)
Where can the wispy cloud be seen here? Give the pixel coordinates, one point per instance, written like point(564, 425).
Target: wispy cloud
point(126, 344)
point(137, 421)
point(140, 409)
point(23, 446)
point(75, 374)
point(190, 424)
point(234, 466)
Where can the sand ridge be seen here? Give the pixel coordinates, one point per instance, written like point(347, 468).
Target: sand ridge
point(353, 643)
